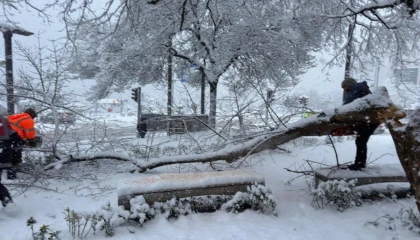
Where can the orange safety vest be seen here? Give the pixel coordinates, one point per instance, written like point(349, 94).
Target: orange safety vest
point(23, 124)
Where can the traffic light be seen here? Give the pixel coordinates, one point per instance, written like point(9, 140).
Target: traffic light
point(134, 94)
point(304, 101)
point(270, 96)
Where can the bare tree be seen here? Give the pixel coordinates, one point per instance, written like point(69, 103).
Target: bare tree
point(41, 85)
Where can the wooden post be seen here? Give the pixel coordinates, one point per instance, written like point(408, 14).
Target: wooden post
point(9, 72)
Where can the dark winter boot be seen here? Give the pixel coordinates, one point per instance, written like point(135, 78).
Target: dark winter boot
point(6, 201)
point(5, 197)
point(356, 167)
point(11, 174)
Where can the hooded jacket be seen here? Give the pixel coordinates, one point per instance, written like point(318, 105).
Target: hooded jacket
point(356, 91)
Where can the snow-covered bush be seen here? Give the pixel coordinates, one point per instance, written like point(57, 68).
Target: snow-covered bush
point(410, 219)
point(339, 193)
point(257, 197)
point(79, 224)
point(44, 231)
point(173, 208)
point(407, 218)
point(140, 211)
point(108, 218)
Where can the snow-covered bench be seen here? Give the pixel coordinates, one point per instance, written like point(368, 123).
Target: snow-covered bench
point(372, 174)
point(163, 187)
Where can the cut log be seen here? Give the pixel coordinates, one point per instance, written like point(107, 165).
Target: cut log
point(372, 174)
point(163, 187)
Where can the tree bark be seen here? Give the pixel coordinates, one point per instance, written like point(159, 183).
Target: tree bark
point(349, 50)
point(407, 144)
point(213, 104)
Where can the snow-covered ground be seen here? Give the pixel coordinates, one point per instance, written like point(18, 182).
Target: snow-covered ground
point(296, 219)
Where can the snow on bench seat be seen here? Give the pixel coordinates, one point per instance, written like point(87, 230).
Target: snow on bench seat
point(372, 174)
point(163, 187)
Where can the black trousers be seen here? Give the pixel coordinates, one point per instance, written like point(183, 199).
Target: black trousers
point(143, 134)
point(16, 144)
point(364, 132)
point(5, 197)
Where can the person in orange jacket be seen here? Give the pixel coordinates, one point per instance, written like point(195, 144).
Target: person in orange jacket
point(24, 126)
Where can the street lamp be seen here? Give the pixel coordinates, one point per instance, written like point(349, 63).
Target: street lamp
point(8, 31)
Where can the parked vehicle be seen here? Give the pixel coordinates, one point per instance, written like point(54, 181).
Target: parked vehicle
point(63, 117)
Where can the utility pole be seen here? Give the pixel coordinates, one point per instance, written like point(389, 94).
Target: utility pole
point(9, 72)
point(170, 85)
point(136, 96)
point(203, 91)
point(8, 32)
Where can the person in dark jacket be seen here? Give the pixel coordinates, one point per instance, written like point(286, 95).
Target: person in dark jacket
point(142, 128)
point(352, 91)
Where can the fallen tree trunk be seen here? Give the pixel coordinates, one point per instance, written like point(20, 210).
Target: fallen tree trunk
point(407, 144)
point(315, 127)
point(360, 111)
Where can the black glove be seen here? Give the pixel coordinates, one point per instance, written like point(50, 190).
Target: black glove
point(31, 142)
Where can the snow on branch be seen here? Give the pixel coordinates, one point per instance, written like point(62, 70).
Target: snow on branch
point(372, 9)
point(88, 157)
